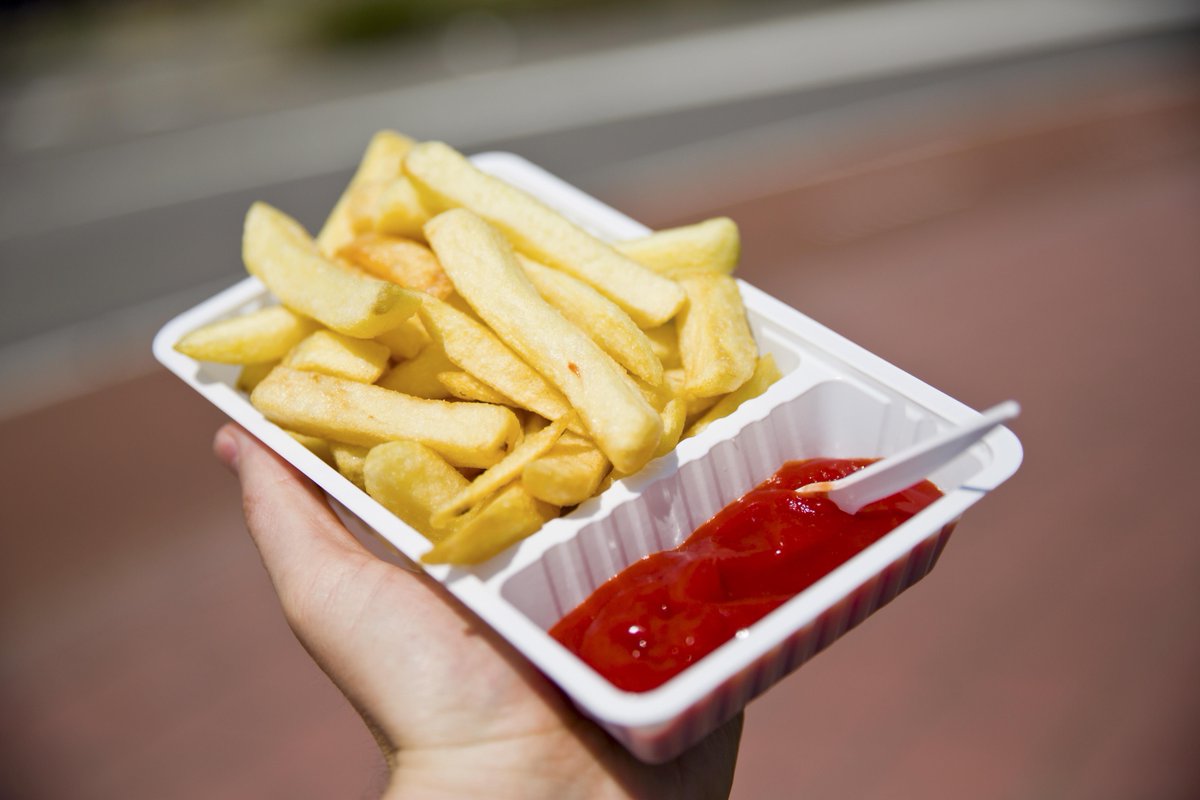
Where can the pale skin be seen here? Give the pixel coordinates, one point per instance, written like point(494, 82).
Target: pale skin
point(456, 711)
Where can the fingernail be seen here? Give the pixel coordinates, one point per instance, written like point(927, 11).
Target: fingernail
point(225, 446)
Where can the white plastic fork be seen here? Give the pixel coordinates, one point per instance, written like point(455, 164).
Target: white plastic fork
point(911, 465)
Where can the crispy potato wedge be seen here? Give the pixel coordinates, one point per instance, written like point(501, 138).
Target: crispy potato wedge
point(445, 180)
point(465, 386)
point(349, 460)
point(332, 353)
point(470, 345)
point(597, 316)
point(405, 340)
point(568, 473)
point(765, 374)
point(280, 253)
point(715, 342)
point(486, 274)
point(501, 474)
point(489, 529)
point(403, 261)
point(355, 209)
point(466, 434)
point(419, 376)
point(710, 246)
point(254, 338)
point(411, 480)
point(399, 210)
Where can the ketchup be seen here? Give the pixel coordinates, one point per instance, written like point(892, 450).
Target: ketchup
point(670, 609)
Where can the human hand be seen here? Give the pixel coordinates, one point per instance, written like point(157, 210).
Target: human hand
point(457, 712)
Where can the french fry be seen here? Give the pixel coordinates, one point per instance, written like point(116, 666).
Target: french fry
point(399, 210)
point(279, 252)
point(465, 386)
point(664, 341)
point(403, 261)
point(677, 381)
point(501, 474)
point(411, 480)
point(597, 316)
point(252, 374)
point(713, 245)
point(332, 353)
point(472, 347)
point(315, 445)
point(466, 434)
point(715, 342)
point(349, 460)
point(446, 180)
point(765, 374)
point(568, 473)
point(485, 273)
point(674, 415)
point(506, 519)
point(405, 340)
point(419, 376)
point(254, 338)
point(353, 212)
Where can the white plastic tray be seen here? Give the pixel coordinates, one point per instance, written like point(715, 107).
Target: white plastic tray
point(835, 399)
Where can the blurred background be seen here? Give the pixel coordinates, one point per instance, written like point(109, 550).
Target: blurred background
point(1000, 196)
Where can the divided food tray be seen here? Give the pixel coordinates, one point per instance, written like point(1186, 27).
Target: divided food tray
point(834, 399)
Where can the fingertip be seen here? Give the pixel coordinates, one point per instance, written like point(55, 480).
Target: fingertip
point(226, 447)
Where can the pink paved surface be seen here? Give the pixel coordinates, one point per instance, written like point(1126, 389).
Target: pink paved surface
point(1053, 652)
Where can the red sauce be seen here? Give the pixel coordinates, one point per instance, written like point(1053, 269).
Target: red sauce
point(670, 609)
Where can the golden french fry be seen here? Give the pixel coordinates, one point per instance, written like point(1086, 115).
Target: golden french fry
point(496, 476)
point(419, 376)
point(410, 480)
point(568, 473)
point(466, 386)
point(353, 212)
point(405, 340)
point(485, 272)
point(316, 445)
point(399, 210)
point(403, 261)
point(349, 460)
point(445, 179)
point(332, 353)
point(466, 434)
point(252, 374)
point(765, 374)
point(715, 342)
point(677, 381)
point(664, 341)
point(597, 316)
point(491, 528)
point(713, 245)
point(674, 416)
point(280, 253)
point(254, 338)
point(470, 345)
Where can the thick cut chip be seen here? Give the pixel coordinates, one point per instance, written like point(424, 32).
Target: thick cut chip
point(355, 209)
point(467, 434)
point(597, 316)
point(252, 374)
point(405, 340)
point(503, 521)
point(410, 480)
point(674, 416)
point(710, 246)
point(715, 342)
point(677, 381)
point(499, 475)
point(485, 272)
point(315, 445)
point(765, 374)
point(569, 473)
point(664, 340)
point(254, 338)
point(341, 356)
point(466, 386)
point(399, 210)
point(280, 253)
point(446, 180)
point(349, 460)
point(403, 261)
point(475, 349)
point(419, 376)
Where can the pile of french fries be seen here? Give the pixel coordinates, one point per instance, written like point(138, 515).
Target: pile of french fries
point(472, 359)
